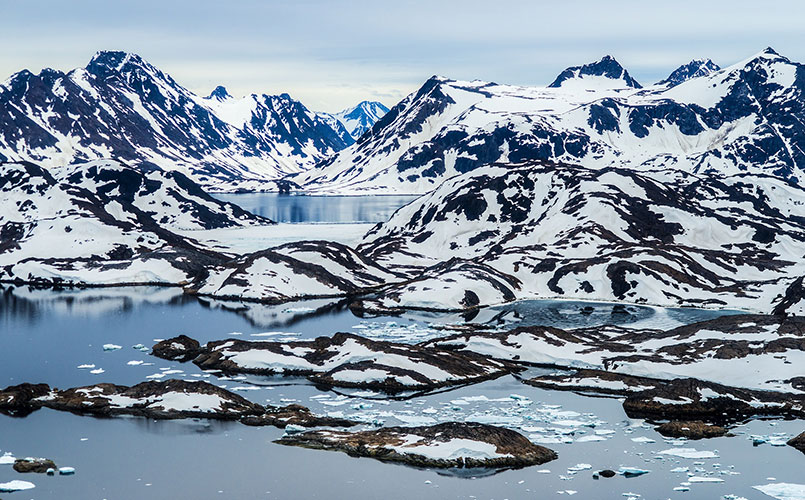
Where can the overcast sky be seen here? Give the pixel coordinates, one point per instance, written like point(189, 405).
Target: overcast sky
point(332, 54)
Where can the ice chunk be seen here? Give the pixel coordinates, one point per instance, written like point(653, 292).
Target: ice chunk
point(66, 471)
point(7, 459)
point(134, 363)
point(590, 438)
point(15, 485)
point(579, 467)
point(705, 479)
point(643, 439)
point(97, 371)
point(112, 347)
point(632, 471)
point(86, 367)
point(689, 453)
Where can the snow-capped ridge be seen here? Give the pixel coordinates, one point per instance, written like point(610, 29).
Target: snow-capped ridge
point(749, 116)
point(694, 69)
point(121, 106)
point(602, 73)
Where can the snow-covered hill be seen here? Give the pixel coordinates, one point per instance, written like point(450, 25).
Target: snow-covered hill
point(120, 106)
point(105, 223)
point(553, 230)
point(746, 117)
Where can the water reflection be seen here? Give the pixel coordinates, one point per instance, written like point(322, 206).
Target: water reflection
point(322, 209)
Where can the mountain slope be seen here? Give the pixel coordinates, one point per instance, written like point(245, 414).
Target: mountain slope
point(120, 106)
point(104, 223)
point(607, 234)
point(747, 117)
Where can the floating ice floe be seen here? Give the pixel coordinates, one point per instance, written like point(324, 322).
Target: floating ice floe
point(7, 459)
point(112, 347)
point(643, 439)
point(783, 491)
point(66, 471)
point(97, 371)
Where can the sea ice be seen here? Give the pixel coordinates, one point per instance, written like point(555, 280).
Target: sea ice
point(111, 347)
point(783, 491)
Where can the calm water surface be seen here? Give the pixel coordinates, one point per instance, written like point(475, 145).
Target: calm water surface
point(321, 209)
point(45, 335)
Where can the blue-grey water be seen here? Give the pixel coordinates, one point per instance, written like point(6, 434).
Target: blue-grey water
point(46, 335)
point(323, 209)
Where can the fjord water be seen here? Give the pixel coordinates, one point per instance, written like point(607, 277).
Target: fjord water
point(319, 209)
point(47, 334)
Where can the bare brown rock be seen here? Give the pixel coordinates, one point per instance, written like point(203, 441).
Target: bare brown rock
point(691, 430)
point(37, 465)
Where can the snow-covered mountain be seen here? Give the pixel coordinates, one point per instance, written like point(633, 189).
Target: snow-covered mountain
point(358, 119)
point(693, 69)
point(120, 106)
point(105, 223)
point(746, 117)
point(552, 230)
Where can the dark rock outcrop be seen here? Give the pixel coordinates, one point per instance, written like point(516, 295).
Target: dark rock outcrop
point(348, 360)
point(181, 348)
point(798, 442)
point(171, 399)
point(478, 445)
point(37, 465)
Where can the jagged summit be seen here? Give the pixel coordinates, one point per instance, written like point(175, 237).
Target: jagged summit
point(219, 93)
point(605, 71)
point(694, 69)
point(113, 60)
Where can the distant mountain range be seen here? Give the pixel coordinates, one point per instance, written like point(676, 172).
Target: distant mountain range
point(120, 106)
point(749, 117)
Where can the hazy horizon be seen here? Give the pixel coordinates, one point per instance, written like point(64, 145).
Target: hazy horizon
point(331, 56)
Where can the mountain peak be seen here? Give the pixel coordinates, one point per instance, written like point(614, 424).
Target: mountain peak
point(113, 60)
point(220, 93)
point(607, 67)
point(693, 69)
